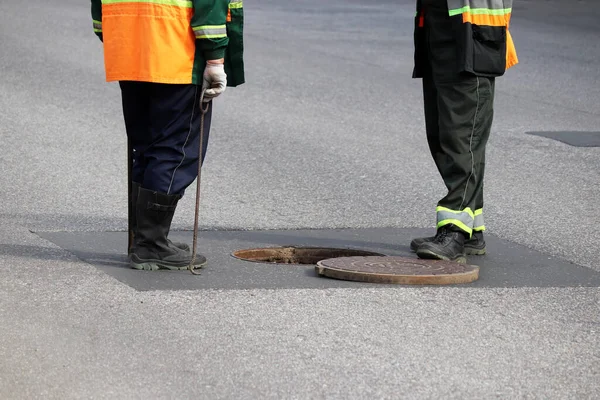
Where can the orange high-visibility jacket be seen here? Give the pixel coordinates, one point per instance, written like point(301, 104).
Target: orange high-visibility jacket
point(169, 41)
point(484, 43)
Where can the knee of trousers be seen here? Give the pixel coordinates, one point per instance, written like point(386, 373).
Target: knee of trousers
point(173, 172)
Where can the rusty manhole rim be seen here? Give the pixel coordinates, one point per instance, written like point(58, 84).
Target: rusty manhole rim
point(292, 251)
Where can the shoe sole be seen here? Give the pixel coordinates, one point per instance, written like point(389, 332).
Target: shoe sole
point(157, 265)
point(429, 255)
point(470, 251)
point(473, 251)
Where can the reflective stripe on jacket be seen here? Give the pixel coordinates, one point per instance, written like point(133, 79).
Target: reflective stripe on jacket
point(481, 30)
point(167, 41)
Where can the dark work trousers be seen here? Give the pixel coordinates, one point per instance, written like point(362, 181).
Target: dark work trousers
point(163, 124)
point(458, 118)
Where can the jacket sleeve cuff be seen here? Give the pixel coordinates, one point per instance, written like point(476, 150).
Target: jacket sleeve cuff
point(214, 54)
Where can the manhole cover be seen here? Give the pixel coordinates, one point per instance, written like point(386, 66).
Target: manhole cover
point(298, 255)
point(398, 270)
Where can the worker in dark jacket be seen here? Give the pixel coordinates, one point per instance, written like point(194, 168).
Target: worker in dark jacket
point(461, 46)
point(167, 56)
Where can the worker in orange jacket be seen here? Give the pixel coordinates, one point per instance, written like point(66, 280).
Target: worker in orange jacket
point(167, 56)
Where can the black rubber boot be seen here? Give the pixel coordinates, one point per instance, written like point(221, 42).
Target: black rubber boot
point(135, 187)
point(151, 249)
point(448, 245)
point(473, 247)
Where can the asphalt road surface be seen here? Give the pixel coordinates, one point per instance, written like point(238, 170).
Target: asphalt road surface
point(327, 133)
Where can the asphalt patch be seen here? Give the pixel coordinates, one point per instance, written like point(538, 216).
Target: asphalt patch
point(507, 264)
point(573, 138)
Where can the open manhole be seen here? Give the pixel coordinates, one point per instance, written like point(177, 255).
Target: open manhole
point(298, 255)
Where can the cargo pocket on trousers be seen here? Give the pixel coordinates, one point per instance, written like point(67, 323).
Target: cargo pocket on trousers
point(489, 50)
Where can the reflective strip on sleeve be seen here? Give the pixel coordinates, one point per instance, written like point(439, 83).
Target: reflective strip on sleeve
point(480, 11)
point(176, 3)
point(462, 219)
point(97, 26)
point(486, 19)
point(491, 7)
point(210, 31)
point(478, 223)
point(236, 4)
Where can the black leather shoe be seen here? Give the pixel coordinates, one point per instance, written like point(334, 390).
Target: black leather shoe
point(448, 245)
point(473, 247)
point(418, 242)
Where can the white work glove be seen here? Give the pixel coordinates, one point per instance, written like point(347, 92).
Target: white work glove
point(214, 81)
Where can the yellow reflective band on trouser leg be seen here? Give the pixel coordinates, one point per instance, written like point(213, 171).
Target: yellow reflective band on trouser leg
point(478, 224)
point(462, 219)
point(456, 223)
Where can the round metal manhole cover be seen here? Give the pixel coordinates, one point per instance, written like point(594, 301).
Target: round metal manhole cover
point(398, 270)
point(298, 255)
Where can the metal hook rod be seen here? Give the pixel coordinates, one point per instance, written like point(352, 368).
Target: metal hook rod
point(203, 111)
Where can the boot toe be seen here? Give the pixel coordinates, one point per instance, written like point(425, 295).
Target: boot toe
point(414, 244)
point(179, 245)
point(418, 242)
point(430, 252)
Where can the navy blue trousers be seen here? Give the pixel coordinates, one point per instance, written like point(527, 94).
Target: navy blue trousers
point(163, 125)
